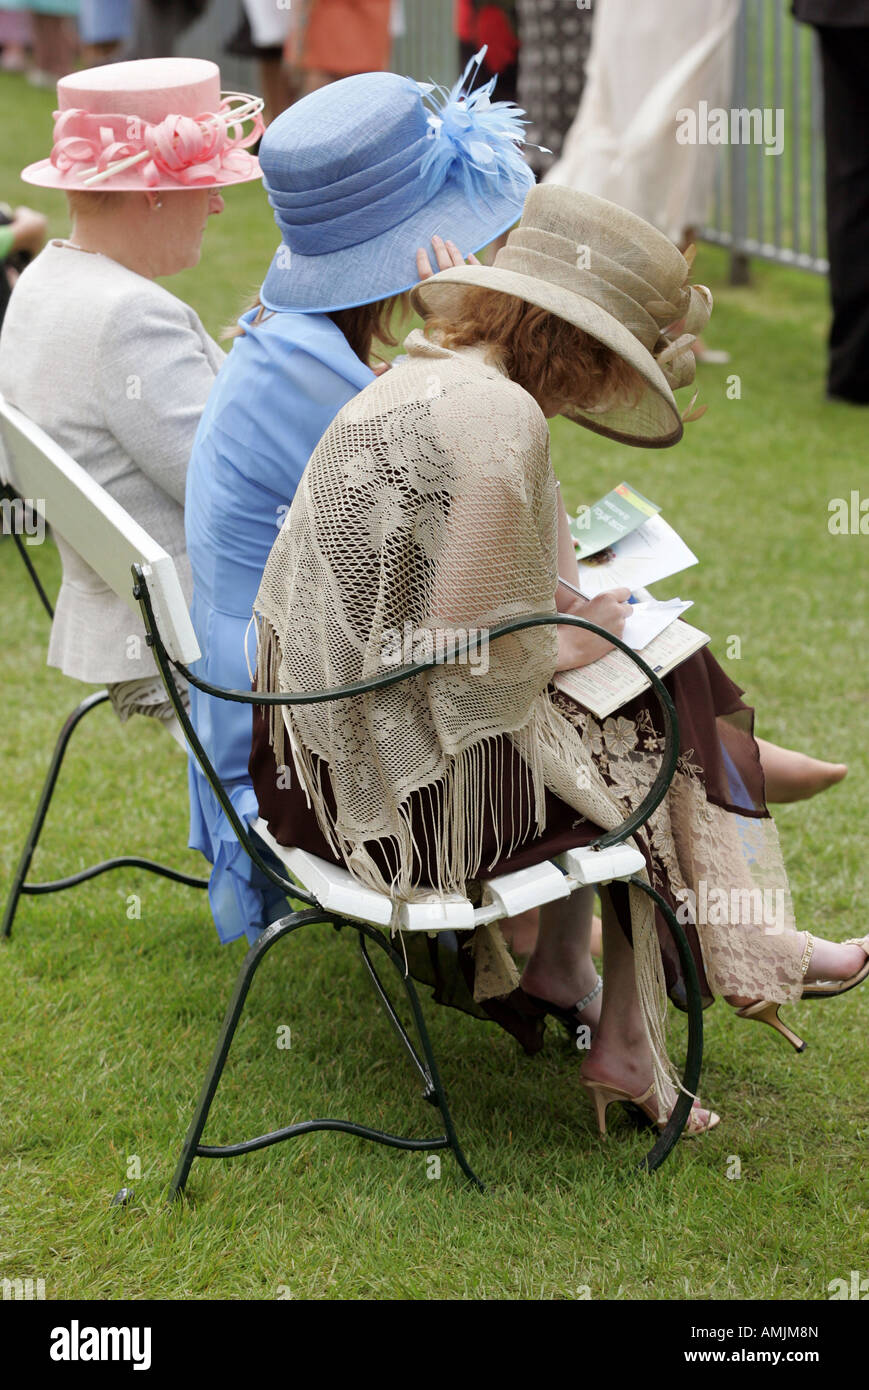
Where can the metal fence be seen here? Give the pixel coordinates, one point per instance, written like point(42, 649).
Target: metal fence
point(773, 206)
point(428, 49)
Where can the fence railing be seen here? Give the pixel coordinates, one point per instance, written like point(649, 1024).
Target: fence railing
point(772, 206)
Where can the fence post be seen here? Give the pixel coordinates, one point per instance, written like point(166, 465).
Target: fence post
point(740, 265)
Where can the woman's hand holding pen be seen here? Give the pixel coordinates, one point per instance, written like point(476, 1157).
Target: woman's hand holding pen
point(576, 646)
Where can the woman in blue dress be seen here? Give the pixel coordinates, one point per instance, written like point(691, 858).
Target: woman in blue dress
point(359, 175)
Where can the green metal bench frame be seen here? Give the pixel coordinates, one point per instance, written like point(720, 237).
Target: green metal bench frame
point(20, 886)
point(425, 1065)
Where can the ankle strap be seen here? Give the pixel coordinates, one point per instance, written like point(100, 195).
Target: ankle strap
point(592, 994)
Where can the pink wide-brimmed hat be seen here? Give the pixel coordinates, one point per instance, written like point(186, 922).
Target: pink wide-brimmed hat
point(154, 124)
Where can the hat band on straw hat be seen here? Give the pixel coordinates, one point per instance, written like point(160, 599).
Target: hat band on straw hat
point(583, 282)
point(629, 281)
point(192, 151)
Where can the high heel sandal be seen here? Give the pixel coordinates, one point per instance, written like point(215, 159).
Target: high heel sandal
point(767, 1012)
point(828, 989)
point(603, 1095)
point(570, 1018)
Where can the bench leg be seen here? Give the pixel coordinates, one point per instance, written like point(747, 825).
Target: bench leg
point(20, 885)
point(433, 1090)
point(669, 1136)
point(92, 701)
point(37, 582)
point(193, 1147)
point(23, 550)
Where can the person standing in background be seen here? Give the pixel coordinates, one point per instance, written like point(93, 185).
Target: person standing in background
point(482, 24)
point(646, 63)
point(103, 27)
point(16, 37)
point(54, 37)
point(338, 38)
point(842, 27)
point(158, 23)
point(554, 42)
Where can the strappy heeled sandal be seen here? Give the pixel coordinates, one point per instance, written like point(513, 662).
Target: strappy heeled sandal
point(765, 1011)
point(828, 989)
point(571, 1018)
point(603, 1095)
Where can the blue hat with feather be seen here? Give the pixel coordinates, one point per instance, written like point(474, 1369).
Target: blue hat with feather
point(363, 172)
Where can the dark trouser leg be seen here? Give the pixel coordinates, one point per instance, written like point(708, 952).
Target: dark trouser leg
point(845, 62)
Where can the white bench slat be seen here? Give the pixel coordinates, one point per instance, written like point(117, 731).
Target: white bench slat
point(95, 526)
point(589, 866)
point(526, 888)
point(334, 887)
point(448, 913)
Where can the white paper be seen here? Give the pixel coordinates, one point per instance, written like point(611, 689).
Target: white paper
point(648, 620)
point(654, 551)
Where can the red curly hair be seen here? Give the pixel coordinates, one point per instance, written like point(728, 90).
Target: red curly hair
point(552, 359)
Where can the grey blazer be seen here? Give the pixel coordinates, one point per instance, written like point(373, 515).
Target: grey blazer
point(117, 371)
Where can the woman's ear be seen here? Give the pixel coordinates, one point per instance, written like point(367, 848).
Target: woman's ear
point(154, 201)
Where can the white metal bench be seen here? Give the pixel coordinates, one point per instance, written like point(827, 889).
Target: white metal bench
point(140, 572)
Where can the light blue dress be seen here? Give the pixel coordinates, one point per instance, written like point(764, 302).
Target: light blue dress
point(275, 396)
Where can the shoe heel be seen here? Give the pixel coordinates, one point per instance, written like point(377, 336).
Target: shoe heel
point(603, 1096)
point(767, 1012)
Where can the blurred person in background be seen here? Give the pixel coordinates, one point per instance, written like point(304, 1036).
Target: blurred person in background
point(261, 35)
point(554, 42)
point(340, 38)
point(54, 37)
point(157, 24)
point(104, 26)
point(16, 37)
point(646, 63)
point(493, 26)
point(843, 34)
point(22, 236)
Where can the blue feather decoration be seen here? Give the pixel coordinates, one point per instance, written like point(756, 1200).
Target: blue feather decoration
point(474, 137)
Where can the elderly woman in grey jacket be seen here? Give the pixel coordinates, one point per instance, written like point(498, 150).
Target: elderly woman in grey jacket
point(110, 364)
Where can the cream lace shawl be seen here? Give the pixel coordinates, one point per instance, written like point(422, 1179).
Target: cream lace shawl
point(428, 507)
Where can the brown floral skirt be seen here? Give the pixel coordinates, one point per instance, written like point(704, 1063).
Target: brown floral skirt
point(711, 839)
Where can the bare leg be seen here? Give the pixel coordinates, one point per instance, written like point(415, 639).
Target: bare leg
point(276, 88)
point(792, 776)
point(520, 933)
point(561, 969)
point(54, 45)
point(619, 1053)
point(314, 78)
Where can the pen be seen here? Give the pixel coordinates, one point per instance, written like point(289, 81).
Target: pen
point(573, 589)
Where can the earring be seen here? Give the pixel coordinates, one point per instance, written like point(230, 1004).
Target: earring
point(158, 203)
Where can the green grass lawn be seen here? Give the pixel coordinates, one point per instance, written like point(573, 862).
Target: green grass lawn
point(107, 1020)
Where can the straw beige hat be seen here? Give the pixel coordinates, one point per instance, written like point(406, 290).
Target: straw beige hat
point(612, 274)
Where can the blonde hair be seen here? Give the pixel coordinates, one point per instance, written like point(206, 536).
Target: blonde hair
point(552, 359)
